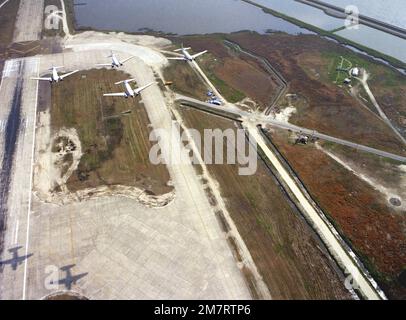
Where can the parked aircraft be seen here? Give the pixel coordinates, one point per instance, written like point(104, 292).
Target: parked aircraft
point(115, 62)
point(129, 92)
point(55, 77)
point(186, 55)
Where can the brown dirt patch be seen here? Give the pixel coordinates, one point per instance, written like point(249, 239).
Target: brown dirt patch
point(246, 76)
point(376, 231)
point(358, 211)
point(115, 146)
point(330, 109)
point(285, 250)
point(240, 72)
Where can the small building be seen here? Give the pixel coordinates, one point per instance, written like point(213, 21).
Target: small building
point(302, 139)
point(355, 72)
point(347, 81)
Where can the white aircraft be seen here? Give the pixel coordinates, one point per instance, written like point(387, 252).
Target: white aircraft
point(186, 55)
point(129, 92)
point(115, 62)
point(55, 77)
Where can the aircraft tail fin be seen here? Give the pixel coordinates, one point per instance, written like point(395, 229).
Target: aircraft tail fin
point(123, 81)
point(182, 48)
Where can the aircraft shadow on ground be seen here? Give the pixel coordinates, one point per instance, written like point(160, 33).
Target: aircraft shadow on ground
point(69, 279)
point(15, 260)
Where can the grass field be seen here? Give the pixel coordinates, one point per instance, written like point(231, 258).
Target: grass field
point(115, 146)
point(388, 86)
point(234, 74)
point(352, 204)
point(359, 212)
point(285, 250)
point(185, 80)
point(210, 65)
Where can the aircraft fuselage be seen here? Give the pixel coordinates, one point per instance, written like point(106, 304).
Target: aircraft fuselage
point(116, 62)
point(187, 55)
point(128, 90)
point(55, 77)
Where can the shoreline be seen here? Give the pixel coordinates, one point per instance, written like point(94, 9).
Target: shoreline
point(359, 48)
point(70, 21)
point(331, 35)
point(339, 12)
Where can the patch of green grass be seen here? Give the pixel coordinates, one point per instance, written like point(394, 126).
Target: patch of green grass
point(185, 80)
point(231, 94)
point(265, 225)
point(386, 76)
point(337, 66)
point(337, 29)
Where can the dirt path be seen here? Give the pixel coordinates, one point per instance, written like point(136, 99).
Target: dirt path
point(364, 82)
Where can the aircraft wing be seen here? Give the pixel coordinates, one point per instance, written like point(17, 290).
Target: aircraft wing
point(138, 91)
point(103, 64)
point(125, 60)
point(198, 54)
point(180, 49)
point(121, 94)
point(177, 58)
point(68, 74)
point(42, 79)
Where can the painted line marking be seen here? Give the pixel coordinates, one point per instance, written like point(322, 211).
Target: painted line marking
point(16, 231)
point(4, 3)
point(30, 189)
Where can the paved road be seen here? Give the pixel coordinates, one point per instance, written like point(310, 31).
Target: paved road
point(328, 234)
point(123, 249)
point(367, 286)
point(4, 3)
point(18, 95)
point(28, 25)
point(364, 82)
point(263, 120)
point(207, 80)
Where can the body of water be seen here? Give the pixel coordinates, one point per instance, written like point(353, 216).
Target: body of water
point(303, 12)
point(185, 17)
point(180, 17)
point(389, 11)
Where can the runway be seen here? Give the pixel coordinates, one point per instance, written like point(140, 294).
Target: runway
point(18, 114)
point(120, 248)
point(28, 26)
